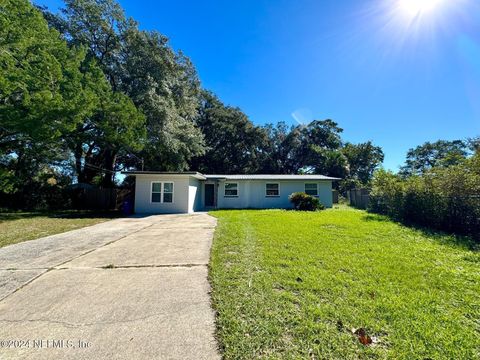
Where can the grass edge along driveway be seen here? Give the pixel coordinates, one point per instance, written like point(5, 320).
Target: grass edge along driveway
point(22, 226)
point(288, 284)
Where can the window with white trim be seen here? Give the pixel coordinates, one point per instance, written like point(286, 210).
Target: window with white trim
point(156, 192)
point(162, 192)
point(272, 189)
point(311, 189)
point(231, 189)
point(167, 192)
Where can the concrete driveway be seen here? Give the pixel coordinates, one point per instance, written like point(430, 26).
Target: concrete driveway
point(132, 288)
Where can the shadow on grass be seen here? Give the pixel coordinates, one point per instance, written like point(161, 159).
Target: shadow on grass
point(62, 214)
point(441, 237)
point(376, 217)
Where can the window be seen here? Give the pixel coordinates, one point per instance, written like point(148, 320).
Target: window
point(272, 190)
point(311, 189)
point(162, 192)
point(167, 192)
point(231, 189)
point(156, 192)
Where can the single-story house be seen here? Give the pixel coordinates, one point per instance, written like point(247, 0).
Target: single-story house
point(187, 192)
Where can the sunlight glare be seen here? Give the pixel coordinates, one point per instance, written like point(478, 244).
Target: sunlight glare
point(413, 8)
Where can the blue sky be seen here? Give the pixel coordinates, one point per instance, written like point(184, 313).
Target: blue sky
point(383, 69)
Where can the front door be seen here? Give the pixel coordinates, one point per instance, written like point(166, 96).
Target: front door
point(209, 195)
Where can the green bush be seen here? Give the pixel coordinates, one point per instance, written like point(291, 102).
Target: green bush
point(386, 196)
point(305, 202)
point(442, 198)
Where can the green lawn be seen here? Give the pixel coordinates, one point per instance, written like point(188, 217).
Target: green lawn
point(16, 227)
point(293, 285)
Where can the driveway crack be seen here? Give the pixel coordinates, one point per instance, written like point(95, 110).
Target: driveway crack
point(140, 266)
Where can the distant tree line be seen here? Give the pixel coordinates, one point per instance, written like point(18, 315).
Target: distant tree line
point(85, 94)
point(438, 187)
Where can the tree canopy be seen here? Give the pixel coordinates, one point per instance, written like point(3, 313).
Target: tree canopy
point(363, 159)
point(161, 83)
point(233, 143)
point(441, 153)
point(42, 95)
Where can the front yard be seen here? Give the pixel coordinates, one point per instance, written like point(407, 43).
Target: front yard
point(19, 226)
point(290, 285)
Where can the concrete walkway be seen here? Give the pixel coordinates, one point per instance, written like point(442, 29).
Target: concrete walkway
point(132, 288)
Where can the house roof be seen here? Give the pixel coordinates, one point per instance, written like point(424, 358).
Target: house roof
point(201, 176)
point(271, 177)
point(194, 174)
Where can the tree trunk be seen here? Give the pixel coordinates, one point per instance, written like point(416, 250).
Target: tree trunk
point(110, 158)
point(78, 163)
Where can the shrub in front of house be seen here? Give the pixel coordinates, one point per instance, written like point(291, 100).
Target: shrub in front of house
point(305, 202)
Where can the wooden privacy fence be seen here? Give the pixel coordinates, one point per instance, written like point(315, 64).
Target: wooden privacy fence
point(335, 196)
point(99, 199)
point(358, 198)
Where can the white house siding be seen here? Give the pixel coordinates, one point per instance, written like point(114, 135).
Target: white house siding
point(194, 195)
point(181, 192)
point(251, 194)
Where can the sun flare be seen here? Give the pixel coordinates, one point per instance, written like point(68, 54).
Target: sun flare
point(413, 8)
